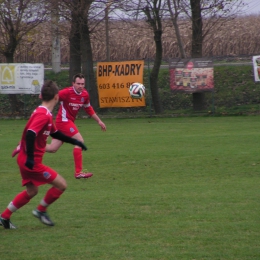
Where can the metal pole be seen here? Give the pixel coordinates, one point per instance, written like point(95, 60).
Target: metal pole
point(149, 86)
point(213, 103)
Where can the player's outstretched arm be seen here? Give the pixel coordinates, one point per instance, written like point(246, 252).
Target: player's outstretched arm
point(64, 138)
point(99, 121)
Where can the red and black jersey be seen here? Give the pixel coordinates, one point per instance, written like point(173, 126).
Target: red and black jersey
point(41, 123)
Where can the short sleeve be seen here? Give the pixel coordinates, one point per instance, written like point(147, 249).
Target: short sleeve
point(38, 122)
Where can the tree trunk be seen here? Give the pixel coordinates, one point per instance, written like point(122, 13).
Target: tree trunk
point(75, 52)
point(154, 20)
point(196, 47)
point(198, 101)
point(155, 73)
point(174, 19)
point(55, 39)
point(87, 64)
point(197, 37)
point(179, 41)
point(107, 32)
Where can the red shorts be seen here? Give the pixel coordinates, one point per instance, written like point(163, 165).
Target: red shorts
point(41, 174)
point(67, 128)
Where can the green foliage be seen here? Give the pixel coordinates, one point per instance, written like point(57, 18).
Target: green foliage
point(169, 188)
point(235, 92)
point(62, 78)
point(235, 88)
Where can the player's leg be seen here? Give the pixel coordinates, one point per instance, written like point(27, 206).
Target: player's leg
point(77, 154)
point(53, 146)
point(71, 130)
point(19, 200)
point(78, 161)
point(59, 185)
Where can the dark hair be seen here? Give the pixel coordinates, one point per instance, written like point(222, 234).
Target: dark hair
point(78, 75)
point(49, 90)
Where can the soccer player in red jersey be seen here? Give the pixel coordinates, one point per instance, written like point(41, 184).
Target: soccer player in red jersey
point(72, 99)
point(32, 148)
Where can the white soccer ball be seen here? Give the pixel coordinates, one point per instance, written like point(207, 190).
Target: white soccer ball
point(137, 90)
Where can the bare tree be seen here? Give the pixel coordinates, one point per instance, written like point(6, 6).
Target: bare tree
point(207, 15)
point(86, 51)
point(81, 56)
point(153, 11)
point(197, 36)
point(18, 18)
point(56, 51)
point(215, 13)
point(174, 14)
point(196, 46)
point(72, 12)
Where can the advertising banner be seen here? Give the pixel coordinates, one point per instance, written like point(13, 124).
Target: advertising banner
point(21, 78)
point(114, 80)
point(256, 67)
point(191, 75)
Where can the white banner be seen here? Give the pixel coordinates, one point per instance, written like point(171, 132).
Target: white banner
point(256, 67)
point(21, 78)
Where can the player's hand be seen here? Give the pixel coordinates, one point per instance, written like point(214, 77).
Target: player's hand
point(80, 144)
point(29, 163)
point(102, 125)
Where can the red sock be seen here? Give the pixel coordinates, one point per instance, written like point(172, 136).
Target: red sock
point(77, 154)
point(20, 200)
point(51, 195)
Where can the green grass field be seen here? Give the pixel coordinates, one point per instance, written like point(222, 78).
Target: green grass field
point(168, 188)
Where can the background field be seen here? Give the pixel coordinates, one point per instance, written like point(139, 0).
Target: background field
point(168, 188)
point(237, 37)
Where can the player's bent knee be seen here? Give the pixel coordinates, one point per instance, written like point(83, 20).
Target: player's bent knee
point(63, 186)
point(60, 183)
point(32, 191)
point(79, 137)
point(51, 151)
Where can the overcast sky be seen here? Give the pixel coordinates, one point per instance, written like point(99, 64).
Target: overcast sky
point(252, 7)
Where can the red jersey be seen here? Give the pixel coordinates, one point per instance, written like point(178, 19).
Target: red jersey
point(40, 122)
point(71, 102)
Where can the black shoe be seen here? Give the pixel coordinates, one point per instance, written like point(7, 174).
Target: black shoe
point(7, 224)
point(43, 217)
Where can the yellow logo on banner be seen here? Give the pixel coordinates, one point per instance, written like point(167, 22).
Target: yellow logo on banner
point(114, 80)
point(7, 75)
point(36, 85)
